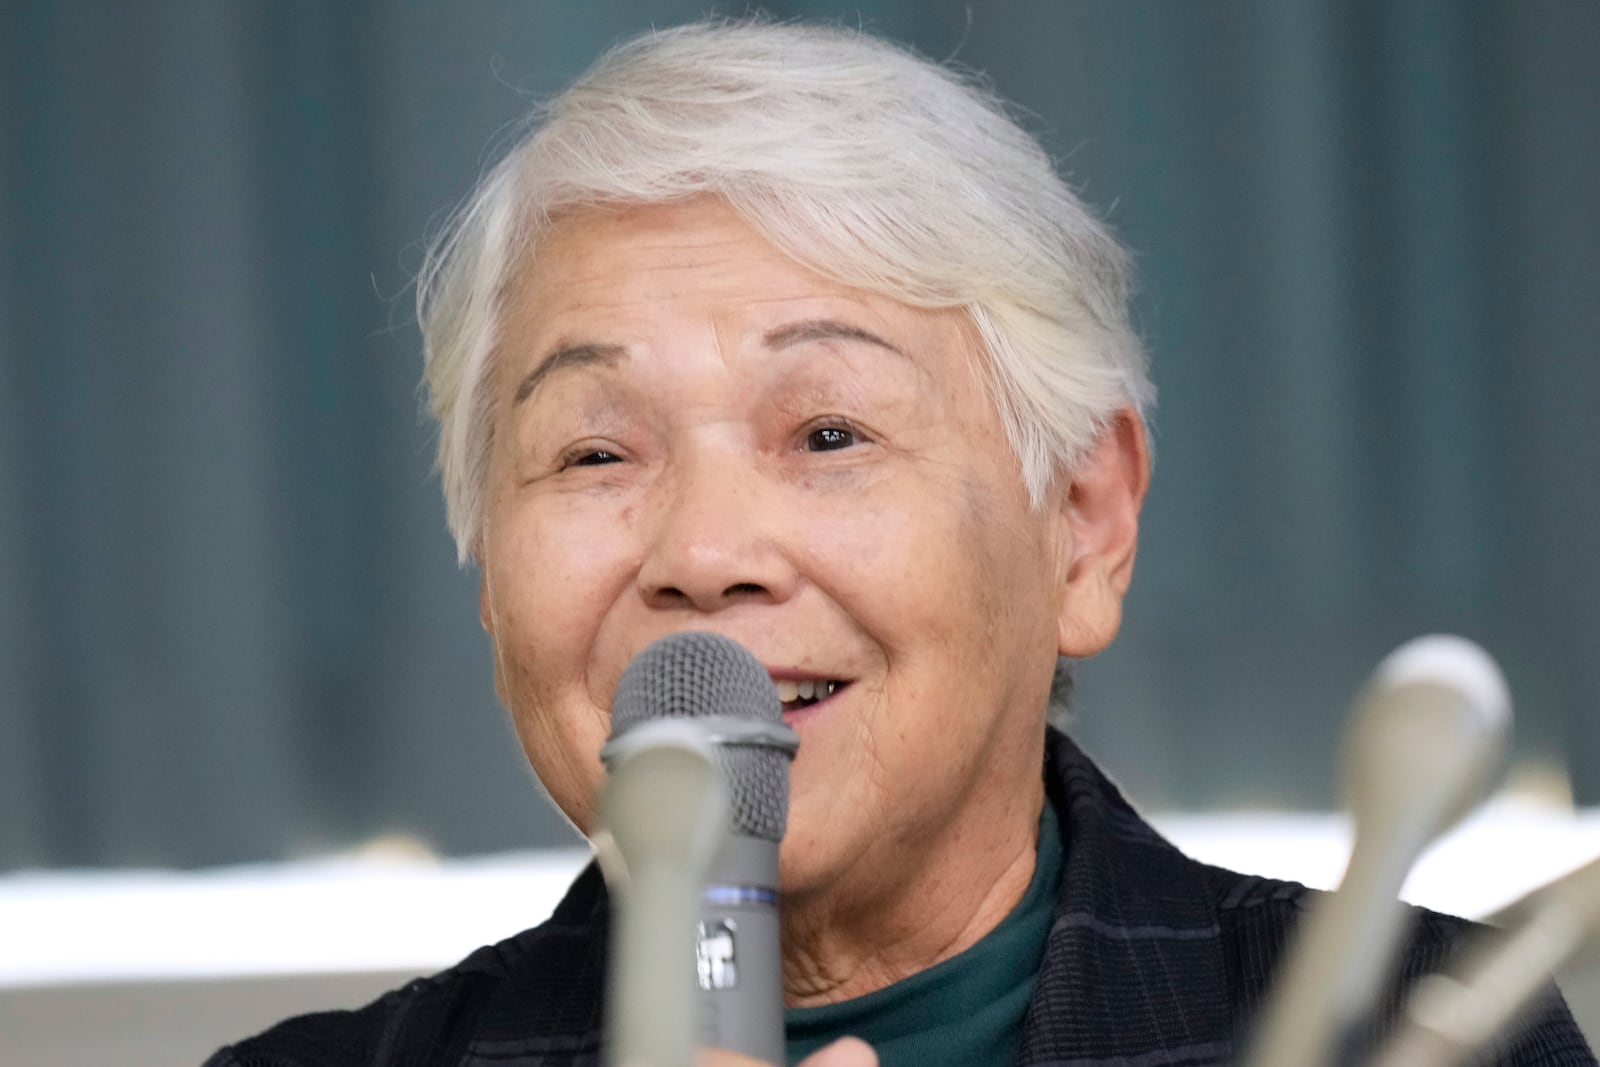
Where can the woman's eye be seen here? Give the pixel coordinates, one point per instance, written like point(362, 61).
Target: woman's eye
point(830, 438)
point(592, 457)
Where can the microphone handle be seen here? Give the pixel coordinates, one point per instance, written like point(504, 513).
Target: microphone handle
point(738, 958)
point(1494, 982)
point(651, 1024)
point(664, 815)
point(1337, 964)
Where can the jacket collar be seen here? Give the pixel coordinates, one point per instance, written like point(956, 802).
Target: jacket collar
point(1133, 971)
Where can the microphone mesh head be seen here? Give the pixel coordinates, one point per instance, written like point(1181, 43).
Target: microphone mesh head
point(693, 675)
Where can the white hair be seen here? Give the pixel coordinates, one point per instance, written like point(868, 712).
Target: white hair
point(871, 165)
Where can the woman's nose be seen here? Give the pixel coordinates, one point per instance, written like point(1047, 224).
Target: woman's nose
point(718, 540)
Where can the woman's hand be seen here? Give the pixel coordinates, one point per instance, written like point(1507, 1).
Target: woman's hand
point(845, 1052)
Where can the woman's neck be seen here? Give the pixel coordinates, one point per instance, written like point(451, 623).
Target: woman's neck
point(875, 927)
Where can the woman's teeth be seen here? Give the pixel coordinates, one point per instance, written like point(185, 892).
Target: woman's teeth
point(811, 689)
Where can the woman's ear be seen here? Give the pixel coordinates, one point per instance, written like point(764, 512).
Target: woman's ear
point(1100, 515)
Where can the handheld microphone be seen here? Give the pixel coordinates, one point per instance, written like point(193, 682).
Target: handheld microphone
point(1452, 1015)
point(1423, 746)
point(717, 690)
point(664, 815)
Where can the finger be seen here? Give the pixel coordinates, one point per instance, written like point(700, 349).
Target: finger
point(845, 1052)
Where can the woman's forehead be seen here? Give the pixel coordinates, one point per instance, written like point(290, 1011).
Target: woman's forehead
point(602, 275)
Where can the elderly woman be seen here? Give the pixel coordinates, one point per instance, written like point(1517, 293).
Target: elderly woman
point(784, 333)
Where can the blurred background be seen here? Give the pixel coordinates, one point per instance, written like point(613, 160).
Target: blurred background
point(232, 627)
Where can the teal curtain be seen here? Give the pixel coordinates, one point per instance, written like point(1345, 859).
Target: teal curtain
point(230, 622)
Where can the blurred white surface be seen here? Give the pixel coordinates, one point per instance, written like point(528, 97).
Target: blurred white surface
point(323, 916)
point(353, 915)
point(1506, 849)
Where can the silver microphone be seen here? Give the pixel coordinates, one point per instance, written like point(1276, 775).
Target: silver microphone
point(1424, 745)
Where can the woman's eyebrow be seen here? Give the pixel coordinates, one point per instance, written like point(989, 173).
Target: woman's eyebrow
point(786, 336)
point(796, 333)
point(563, 358)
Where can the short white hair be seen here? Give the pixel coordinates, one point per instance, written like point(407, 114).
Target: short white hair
point(869, 164)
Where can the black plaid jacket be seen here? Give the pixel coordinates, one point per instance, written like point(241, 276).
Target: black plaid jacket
point(1152, 959)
